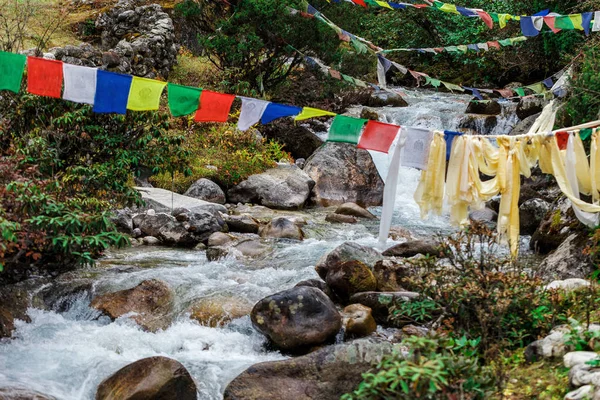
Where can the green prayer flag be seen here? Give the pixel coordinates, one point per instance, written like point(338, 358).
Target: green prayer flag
point(345, 129)
point(495, 17)
point(183, 100)
point(348, 79)
point(505, 42)
point(438, 4)
point(520, 92)
point(433, 82)
point(563, 22)
point(452, 87)
point(585, 134)
point(359, 46)
point(11, 71)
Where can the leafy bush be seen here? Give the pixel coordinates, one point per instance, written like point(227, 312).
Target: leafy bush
point(583, 104)
point(434, 369)
point(223, 154)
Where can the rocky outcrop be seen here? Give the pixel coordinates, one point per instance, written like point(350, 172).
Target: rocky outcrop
point(135, 39)
point(358, 321)
point(282, 228)
point(297, 139)
point(325, 374)
point(347, 251)
point(17, 393)
point(286, 187)
point(412, 248)
point(354, 210)
point(219, 310)
point(343, 173)
point(350, 277)
point(149, 378)
point(381, 303)
point(297, 318)
point(568, 261)
point(207, 190)
point(150, 302)
point(531, 214)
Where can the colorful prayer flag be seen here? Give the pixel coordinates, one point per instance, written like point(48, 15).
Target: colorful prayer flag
point(80, 83)
point(214, 107)
point(449, 137)
point(309, 112)
point(275, 111)
point(416, 148)
point(183, 100)
point(563, 22)
point(345, 129)
point(144, 94)
point(562, 138)
point(112, 92)
point(252, 111)
point(334, 74)
point(11, 71)
point(486, 18)
point(378, 136)
point(520, 91)
point(44, 77)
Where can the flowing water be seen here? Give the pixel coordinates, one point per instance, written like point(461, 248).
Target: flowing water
point(68, 353)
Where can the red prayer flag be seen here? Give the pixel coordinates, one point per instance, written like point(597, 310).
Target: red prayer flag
point(214, 107)
point(494, 43)
point(335, 74)
point(550, 21)
point(421, 5)
point(306, 15)
point(438, 49)
point(486, 18)
point(44, 77)
point(561, 139)
point(360, 3)
point(378, 136)
point(506, 93)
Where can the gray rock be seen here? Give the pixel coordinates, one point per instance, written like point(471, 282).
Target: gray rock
point(300, 162)
point(207, 190)
point(322, 286)
point(491, 107)
point(556, 226)
point(151, 224)
point(297, 139)
point(382, 99)
point(151, 241)
point(325, 374)
point(17, 393)
point(136, 233)
point(219, 239)
point(568, 261)
point(340, 219)
point(297, 318)
point(149, 378)
point(166, 201)
point(523, 127)
point(412, 248)
point(529, 106)
point(354, 210)
point(568, 285)
point(583, 393)
point(282, 228)
point(203, 223)
point(347, 251)
point(286, 187)
point(578, 357)
point(123, 220)
point(485, 216)
point(343, 173)
point(551, 346)
point(531, 214)
point(243, 223)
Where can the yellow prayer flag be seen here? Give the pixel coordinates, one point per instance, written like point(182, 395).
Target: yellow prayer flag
point(309, 112)
point(384, 4)
point(577, 21)
point(144, 94)
point(537, 87)
point(502, 18)
point(449, 8)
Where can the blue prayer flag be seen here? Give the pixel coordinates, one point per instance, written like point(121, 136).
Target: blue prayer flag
point(449, 137)
point(112, 92)
point(396, 5)
point(475, 92)
point(586, 21)
point(473, 47)
point(548, 83)
point(466, 12)
point(274, 111)
point(528, 28)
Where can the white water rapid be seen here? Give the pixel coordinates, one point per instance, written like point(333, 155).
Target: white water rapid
point(67, 354)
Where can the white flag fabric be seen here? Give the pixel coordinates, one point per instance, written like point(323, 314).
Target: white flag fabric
point(80, 83)
point(381, 73)
point(418, 142)
point(389, 190)
point(252, 111)
point(596, 26)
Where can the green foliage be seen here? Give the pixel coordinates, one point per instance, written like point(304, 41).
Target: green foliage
point(583, 104)
point(413, 312)
point(434, 369)
point(223, 154)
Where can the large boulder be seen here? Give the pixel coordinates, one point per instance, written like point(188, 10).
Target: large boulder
point(243, 223)
point(325, 374)
point(347, 251)
point(523, 127)
point(344, 173)
point(18, 393)
point(529, 106)
point(123, 220)
point(150, 302)
point(205, 189)
point(383, 303)
point(151, 224)
point(298, 140)
point(384, 98)
point(568, 261)
point(219, 310)
point(282, 228)
point(531, 214)
point(350, 277)
point(412, 248)
point(322, 286)
point(203, 223)
point(286, 187)
point(149, 378)
point(297, 318)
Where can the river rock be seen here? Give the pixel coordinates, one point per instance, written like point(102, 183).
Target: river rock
point(389, 274)
point(556, 226)
point(344, 173)
point(322, 286)
point(384, 98)
point(412, 248)
point(238, 247)
point(354, 210)
point(578, 357)
point(550, 346)
point(150, 241)
point(243, 223)
point(203, 223)
point(205, 189)
point(491, 107)
point(151, 301)
point(149, 378)
point(583, 393)
point(286, 187)
point(123, 220)
point(298, 139)
point(358, 321)
point(347, 251)
point(340, 219)
point(219, 310)
point(531, 214)
point(381, 302)
point(297, 318)
point(523, 127)
point(175, 233)
point(568, 261)
point(219, 239)
point(485, 216)
point(529, 106)
point(150, 224)
point(282, 228)
point(16, 393)
point(399, 233)
point(350, 277)
point(325, 374)
point(568, 285)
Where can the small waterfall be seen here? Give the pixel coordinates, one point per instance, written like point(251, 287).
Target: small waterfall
point(501, 124)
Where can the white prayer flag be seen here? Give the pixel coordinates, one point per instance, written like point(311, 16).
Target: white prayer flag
point(252, 111)
point(416, 153)
point(596, 26)
point(80, 83)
